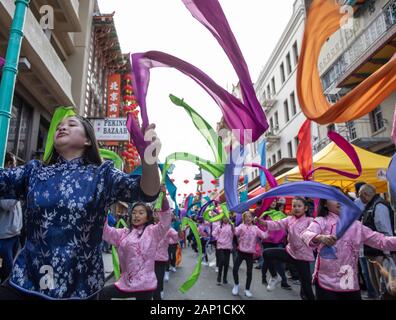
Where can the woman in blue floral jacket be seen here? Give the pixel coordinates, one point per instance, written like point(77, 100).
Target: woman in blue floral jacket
point(67, 200)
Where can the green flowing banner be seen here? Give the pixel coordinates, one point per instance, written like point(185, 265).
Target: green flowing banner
point(60, 114)
point(114, 254)
point(190, 282)
point(216, 169)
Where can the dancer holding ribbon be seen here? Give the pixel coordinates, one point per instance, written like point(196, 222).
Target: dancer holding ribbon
point(67, 199)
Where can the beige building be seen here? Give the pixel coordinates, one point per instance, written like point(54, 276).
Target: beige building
point(53, 67)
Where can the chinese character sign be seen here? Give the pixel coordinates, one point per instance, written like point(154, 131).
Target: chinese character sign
point(113, 95)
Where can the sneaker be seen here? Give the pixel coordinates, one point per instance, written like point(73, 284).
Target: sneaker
point(217, 269)
point(273, 282)
point(296, 282)
point(173, 269)
point(235, 290)
point(286, 286)
point(205, 263)
point(248, 294)
point(166, 276)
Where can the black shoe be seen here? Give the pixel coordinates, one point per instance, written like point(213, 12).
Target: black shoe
point(225, 282)
point(286, 286)
point(264, 282)
point(257, 267)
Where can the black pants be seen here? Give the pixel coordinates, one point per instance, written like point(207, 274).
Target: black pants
point(204, 254)
point(274, 268)
point(110, 291)
point(160, 267)
point(323, 294)
point(248, 257)
point(303, 269)
point(8, 292)
point(224, 261)
point(172, 256)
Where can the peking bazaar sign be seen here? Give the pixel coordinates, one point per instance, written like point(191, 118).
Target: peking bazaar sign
point(113, 95)
point(111, 129)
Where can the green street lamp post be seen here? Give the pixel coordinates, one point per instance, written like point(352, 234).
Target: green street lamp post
point(10, 69)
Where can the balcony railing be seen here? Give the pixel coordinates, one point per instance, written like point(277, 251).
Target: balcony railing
point(269, 103)
point(371, 35)
point(358, 132)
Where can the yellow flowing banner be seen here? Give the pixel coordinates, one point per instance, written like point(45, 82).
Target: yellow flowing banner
point(325, 18)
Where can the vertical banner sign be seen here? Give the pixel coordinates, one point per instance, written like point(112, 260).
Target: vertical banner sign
point(113, 95)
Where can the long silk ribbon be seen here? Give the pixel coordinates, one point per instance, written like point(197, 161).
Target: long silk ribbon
point(60, 114)
point(349, 150)
point(190, 282)
point(110, 155)
point(323, 19)
point(349, 212)
point(114, 254)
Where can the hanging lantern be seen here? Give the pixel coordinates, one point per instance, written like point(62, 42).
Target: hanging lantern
point(209, 191)
point(241, 179)
point(179, 194)
point(186, 181)
point(198, 193)
point(185, 195)
point(214, 190)
point(200, 182)
point(203, 192)
point(128, 87)
point(173, 180)
point(213, 182)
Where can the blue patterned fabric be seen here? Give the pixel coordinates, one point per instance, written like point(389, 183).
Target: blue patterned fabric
point(66, 210)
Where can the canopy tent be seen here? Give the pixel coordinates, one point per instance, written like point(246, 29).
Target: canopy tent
point(374, 169)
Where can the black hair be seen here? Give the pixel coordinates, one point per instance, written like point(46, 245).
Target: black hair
point(9, 159)
point(150, 215)
point(91, 153)
point(323, 211)
point(358, 185)
point(303, 200)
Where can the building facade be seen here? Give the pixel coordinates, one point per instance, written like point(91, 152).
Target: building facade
point(52, 67)
point(276, 90)
point(350, 56)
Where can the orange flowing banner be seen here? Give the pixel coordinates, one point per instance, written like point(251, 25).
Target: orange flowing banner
point(324, 18)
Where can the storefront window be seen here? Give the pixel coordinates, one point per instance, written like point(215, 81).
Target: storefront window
point(19, 130)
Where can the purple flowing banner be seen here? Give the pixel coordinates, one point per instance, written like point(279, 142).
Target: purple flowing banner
point(349, 150)
point(238, 115)
point(391, 177)
point(211, 15)
point(271, 181)
point(349, 211)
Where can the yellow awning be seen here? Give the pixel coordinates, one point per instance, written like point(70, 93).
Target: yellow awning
point(374, 169)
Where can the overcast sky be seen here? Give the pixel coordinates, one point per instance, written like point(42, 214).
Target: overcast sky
point(166, 25)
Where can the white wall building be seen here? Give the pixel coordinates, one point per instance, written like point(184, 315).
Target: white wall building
point(276, 90)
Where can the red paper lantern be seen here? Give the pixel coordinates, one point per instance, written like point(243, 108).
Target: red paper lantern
point(179, 194)
point(186, 181)
point(198, 193)
point(185, 194)
point(209, 191)
point(241, 179)
point(214, 190)
point(213, 182)
point(200, 182)
point(173, 180)
point(204, 192)
point(128, 87)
